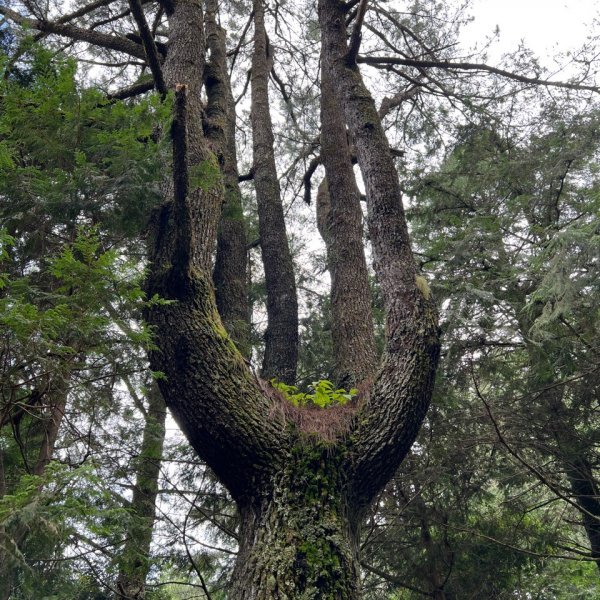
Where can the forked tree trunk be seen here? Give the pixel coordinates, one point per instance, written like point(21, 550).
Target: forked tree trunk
point(303, 477)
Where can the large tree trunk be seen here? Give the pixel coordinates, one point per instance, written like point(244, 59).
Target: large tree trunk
point(301, 477)
point(301, 541)
point(281, 337)
point(340, 221)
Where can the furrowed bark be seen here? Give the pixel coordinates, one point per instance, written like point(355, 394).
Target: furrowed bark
point(208, 387)
point(301, 542)
point(134, 560)
point(231, 265)
point(281, 337)
point(389, 420)
point(339, 217)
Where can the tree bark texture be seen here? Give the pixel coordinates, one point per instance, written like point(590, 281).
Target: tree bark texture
point(300, 541)
point(135, 558)
point(231, 265)
point(281, 337)
point(340, 222)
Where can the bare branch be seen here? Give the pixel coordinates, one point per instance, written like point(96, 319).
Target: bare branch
point(112, 42)
point(149, 46)
point(466, 66)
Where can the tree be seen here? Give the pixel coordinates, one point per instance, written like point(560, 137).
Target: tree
point(303, 476)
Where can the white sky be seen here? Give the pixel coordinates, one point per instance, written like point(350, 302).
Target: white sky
point(543, 24)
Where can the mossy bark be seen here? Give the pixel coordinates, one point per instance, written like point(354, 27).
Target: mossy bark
point(300, 541)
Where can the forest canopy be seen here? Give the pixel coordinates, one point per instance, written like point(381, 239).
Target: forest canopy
point(297, 300)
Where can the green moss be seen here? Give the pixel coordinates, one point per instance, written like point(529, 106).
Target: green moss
point(206, 175)
point(423, 286)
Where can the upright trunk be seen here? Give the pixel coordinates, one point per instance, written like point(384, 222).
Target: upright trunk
point(300, 541)
point(231, 265)
point(281, 337)
point(134, 560)
point(339, 217)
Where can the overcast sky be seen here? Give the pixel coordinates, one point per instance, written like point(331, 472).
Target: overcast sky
point(544, 24)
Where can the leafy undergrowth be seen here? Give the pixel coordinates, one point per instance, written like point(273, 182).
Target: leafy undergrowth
point(322, 394)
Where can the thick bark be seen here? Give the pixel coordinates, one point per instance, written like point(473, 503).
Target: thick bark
point(301, 542)
point(390, 418)
point(281, 337)
point(340, 221)
point(134, 561)
point(208, 386)
point(231, 265)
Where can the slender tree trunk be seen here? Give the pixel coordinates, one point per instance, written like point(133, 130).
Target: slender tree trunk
point(339, 217)
point(281, 337)
point(134, 561)
point(231, 265)
point(13, 538)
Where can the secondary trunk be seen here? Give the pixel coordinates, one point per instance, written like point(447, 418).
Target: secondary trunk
point(281, 337)
point(340, 221)
point(134, 560)
point(231, 265)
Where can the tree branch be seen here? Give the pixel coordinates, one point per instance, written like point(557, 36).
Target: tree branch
point(466, 66)
point(356, 33)
point(133, 90)
point(307, 179)
point(111, 42)
point(149, 46)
